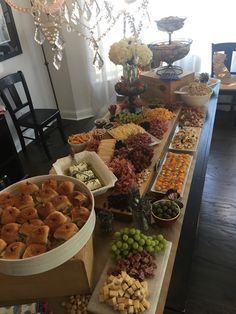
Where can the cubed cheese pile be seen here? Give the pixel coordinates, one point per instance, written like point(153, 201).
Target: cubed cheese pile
point(125, 294)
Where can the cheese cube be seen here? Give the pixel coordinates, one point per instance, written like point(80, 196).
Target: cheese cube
point(125, 286)
point(121, 307)
point(113, 293)
point(131, 291)
point(131, 309)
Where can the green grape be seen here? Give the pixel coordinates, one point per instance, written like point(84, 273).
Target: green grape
point(125, 246)
point(132, 231)
point(126, 252)
point(141, 242)
point(117, 252)
point(160, 237)
point(137, 231)
point(135, 245)
point(117, 234)
point(137, 237)
point(148, 242)
point(126, 230)
point(150, 249)
point(140, 248)
point(130, 241)
point(119, 244)
point(113, 247)
point(161, 246)
point(156, 242)
point(125, 237)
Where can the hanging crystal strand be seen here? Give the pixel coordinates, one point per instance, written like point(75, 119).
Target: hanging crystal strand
point(86, 11)
point(75, 15)
point(39, 35)
point(59, 42)
point(97, 60)
point(65, 13)
point(57, 58)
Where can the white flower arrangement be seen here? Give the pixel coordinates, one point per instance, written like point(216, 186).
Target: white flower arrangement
point(130, 51)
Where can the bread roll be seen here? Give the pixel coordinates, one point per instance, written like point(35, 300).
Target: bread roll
point(28, 187)
point(39, 234)
point(78, 198)
point(66, 231)
point(61, 203)
point(55, 220)
point(44, 209)
point(50, 183)
point(66, 188)
point(14, 250)
point(24, 201)
point(28, 226)
point(27, 214)
point(9, 214)
point(9, 232)
point(3, 245)
point(46, 195)
point(34, 249)
point(6, 199)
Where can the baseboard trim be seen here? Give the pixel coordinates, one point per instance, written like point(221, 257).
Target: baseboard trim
point(76, 115)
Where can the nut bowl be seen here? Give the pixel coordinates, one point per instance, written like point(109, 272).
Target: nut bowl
point(61, 253)
point(165, 212)
point(200, 101)
point(79, 141)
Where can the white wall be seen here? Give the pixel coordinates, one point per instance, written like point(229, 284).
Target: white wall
point(71, 82)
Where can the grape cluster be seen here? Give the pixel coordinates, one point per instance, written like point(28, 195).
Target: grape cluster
point(128, 117)
point(131, 240)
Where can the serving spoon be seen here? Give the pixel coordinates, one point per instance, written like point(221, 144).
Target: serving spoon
point(181, 93)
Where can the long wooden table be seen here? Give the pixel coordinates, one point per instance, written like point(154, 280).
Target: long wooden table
point(182, 234)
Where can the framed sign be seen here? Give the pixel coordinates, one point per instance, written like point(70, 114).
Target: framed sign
point(9, 41)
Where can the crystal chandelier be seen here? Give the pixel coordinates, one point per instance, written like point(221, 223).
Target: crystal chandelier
point(91, 19)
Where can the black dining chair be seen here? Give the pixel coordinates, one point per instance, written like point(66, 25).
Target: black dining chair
point(229, 48)
point(23, 113)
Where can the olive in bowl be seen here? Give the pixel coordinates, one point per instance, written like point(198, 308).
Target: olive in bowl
point(165, 212)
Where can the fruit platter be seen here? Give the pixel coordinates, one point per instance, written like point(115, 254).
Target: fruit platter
point(132, 278)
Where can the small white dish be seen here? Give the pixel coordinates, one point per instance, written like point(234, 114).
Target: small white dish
point(103, 173)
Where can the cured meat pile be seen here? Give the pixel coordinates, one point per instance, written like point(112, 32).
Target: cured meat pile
point(138, 265)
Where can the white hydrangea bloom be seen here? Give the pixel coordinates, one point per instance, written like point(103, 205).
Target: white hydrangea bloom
point(130, 50)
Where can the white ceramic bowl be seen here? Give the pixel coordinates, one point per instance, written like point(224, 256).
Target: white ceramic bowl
point(62, 165)
point(195, 100)
point(59, 255)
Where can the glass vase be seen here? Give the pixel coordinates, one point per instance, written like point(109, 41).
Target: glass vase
point(130, 73)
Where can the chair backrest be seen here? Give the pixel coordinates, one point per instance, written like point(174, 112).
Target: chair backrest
point(11, 97)
point(228, 49)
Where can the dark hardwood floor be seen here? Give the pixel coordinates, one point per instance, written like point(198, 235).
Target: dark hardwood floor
point(36, 162)
point(213, 276)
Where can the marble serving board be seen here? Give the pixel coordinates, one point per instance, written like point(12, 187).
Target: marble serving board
point(154, 286)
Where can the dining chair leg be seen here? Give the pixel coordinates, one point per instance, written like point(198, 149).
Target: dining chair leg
point(60, 127)
point(21, 138)
point(44, 144)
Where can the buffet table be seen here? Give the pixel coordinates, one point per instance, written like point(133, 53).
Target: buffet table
point(182, 234)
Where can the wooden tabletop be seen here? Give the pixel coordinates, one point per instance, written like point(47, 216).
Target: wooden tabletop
point(174, 233)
